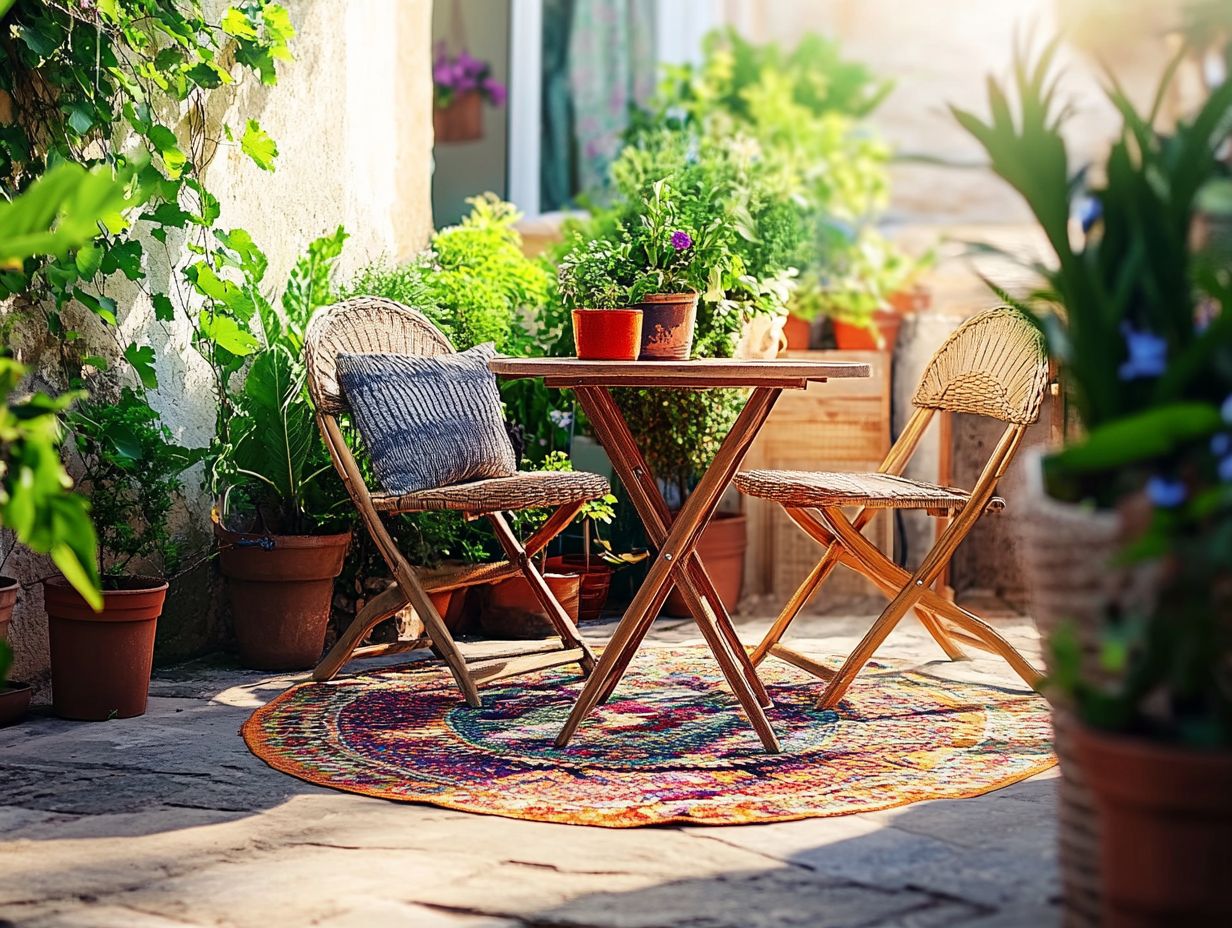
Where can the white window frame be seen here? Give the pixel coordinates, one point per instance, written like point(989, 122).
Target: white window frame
point(679, 27)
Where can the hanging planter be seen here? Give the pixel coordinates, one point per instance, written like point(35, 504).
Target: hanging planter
point(461, 120)
point(461, 85)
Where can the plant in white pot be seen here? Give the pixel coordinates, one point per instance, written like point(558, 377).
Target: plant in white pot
point(1143, 338)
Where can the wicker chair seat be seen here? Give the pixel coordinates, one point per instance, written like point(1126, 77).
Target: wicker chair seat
point(807, 489)
point(523, 490)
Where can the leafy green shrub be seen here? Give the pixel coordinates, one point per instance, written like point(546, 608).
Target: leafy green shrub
point(131, 473)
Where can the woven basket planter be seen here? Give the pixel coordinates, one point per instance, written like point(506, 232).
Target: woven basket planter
point(1067, 553)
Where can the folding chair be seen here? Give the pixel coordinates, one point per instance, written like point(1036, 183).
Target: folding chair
point(993, 365)
point(370, 325)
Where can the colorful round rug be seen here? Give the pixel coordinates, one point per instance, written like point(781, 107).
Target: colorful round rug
point(670, 746)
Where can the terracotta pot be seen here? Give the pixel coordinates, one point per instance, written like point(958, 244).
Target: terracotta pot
point(1166, 818)
point(882, 337)
point(721, 548)
point(799, 333)
point(461, 120)
point(510, 609)
point(280, 588)
point(1067, 554)
point(667, 326)
point(8, 599)
point(607, 334)
point(14, 701)
point(596, 582)
point(100, 661)
point(916, 300)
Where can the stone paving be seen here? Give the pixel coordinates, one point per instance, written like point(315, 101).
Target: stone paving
point(167, 820)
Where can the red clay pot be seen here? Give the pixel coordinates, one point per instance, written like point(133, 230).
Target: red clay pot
point(596, 582)
point(607, 334)
point(100, 661)
point(280, 588)
point(1166, 829)
point(461, 120)
point(8, 599)
point(798, 332)
point(667, 326)
point(510, 609)
point(883, 337)
point(721, 548)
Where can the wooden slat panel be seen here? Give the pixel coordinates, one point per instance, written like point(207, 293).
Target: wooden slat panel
point(839, 426)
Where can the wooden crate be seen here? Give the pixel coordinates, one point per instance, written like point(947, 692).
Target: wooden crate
point(842, 425)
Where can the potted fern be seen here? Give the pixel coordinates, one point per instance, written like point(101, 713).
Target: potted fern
point(1143, 338)
point(283, 520)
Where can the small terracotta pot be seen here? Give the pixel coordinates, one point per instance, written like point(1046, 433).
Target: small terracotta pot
point(798, 332)
point(8, 599)
point(883, 337)
point(607, 334)
point(667, 326)
point(721, 548)
point(100, 661)
point(14, 701)
point(1166, 827)
point(596, 582)
point(280, 588)
point(461, 120)
point(510, 609)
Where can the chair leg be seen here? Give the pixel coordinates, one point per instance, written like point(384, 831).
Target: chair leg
point(868, 646)
point(799, 599)
point(890, 577)
point(375, 611)
point(560, 620)
point(442, 640)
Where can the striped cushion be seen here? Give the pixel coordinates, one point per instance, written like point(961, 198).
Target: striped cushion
point(428, 420)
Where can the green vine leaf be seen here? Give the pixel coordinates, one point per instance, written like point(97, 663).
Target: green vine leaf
point(142, 362)
point(258, 146)
point(163, 310)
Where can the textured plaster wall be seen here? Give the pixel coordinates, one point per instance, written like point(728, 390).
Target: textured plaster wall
point(351, 116)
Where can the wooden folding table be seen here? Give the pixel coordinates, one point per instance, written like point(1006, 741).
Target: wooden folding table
point(676, 539)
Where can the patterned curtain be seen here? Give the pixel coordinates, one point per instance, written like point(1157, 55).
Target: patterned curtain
point(599, 59)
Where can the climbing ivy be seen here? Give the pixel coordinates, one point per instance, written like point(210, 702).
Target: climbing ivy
point(125, 83)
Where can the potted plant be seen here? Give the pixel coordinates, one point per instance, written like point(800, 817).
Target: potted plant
point(1142, 683)
point(675, 262)
point(101, 659)
point(283, 520)
point(461, 85)
point(595, 281)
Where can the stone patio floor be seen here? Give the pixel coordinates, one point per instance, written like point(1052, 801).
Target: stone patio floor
point(167, 820)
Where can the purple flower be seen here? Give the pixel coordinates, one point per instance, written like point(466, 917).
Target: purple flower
point(494, 90)
point(1221, 445)
point(1147, 354)
point(681, 240)
point(1166, 492)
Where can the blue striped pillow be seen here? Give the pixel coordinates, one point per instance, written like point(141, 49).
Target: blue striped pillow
point(428, 420)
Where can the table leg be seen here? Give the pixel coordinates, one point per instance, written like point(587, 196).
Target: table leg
point(676, 550)
point(644, 493)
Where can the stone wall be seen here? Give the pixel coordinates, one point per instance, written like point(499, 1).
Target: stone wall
point(352, 119)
